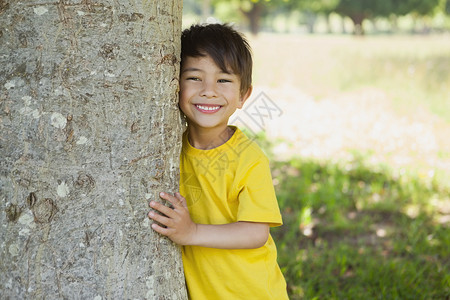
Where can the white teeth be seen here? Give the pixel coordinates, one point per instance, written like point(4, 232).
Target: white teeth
point(208, 107)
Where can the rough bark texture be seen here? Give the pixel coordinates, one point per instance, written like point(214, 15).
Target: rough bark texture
point(89, 133)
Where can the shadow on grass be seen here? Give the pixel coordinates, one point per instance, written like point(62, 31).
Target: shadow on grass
point(353, 231)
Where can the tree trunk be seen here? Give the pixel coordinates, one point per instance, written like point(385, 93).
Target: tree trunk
point(344, 30)
point(393, 19)
point(254, 17)
point(311, 18)
point(89, 134)
point(328, 22)
point(358, 23)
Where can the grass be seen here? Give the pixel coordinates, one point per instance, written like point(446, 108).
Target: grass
point(357, 232)
point(354, 230)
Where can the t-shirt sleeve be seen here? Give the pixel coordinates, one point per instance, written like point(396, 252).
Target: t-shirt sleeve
point(257, 199)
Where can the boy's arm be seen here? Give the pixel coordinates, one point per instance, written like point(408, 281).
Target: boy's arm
point(183, 231)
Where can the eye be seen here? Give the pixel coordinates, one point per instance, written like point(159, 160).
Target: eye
point(193, 78)
point(223, 80)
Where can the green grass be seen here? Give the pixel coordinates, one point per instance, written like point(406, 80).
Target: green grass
point(357, 232)
point(354, 230)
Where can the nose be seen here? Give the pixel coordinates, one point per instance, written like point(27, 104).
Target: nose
point(209, 89)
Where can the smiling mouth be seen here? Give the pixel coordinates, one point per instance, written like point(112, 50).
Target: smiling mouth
point(208, 108)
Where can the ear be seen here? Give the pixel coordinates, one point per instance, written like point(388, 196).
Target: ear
point(245, 96)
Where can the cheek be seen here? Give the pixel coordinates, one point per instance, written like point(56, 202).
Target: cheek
point(183, 101)
point(184, 92)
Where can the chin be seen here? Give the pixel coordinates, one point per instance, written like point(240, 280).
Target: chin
point(207, 125)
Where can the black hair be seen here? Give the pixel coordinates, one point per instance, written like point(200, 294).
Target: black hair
point(228, 48)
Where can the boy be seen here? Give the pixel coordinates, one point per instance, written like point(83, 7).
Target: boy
point(229, 201)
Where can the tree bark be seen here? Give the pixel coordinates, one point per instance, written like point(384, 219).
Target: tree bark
point(89, 134)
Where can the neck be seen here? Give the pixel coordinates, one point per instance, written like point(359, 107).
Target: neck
point(209, 139)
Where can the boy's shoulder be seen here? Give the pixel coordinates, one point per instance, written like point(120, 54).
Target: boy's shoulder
point(244, 146)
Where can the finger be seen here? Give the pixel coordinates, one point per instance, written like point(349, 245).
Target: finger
point(181, 199)
point(161, 230)
point(168, 197)
point(174, 200)
point(162, 208)
point(159, 218)
point(162, 221)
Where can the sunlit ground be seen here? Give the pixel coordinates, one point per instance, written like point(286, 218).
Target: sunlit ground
point(386, 97)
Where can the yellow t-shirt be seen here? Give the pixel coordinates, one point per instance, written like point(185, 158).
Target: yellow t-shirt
point(227, 184)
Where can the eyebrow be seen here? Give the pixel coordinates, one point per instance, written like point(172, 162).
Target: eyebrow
point(193, 69)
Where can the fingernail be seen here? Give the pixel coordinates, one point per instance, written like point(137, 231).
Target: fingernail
point(161, 194)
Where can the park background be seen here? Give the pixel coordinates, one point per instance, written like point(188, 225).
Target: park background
point(351, 102)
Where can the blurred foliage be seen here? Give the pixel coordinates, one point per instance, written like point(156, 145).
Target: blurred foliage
point(359, 10)
point(257, 12)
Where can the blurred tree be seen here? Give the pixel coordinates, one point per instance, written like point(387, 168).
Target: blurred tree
point(359, 10)
point(312, 9)
point(252, 10)
point(422, 7)
point(417, 7)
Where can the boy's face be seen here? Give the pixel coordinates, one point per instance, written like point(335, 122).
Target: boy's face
point(209, 96)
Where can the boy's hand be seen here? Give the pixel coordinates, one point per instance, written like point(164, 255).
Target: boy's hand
point(180, 228)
